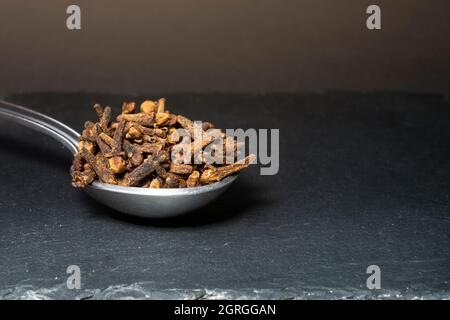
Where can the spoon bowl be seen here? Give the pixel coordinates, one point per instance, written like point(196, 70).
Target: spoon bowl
point(157, 203)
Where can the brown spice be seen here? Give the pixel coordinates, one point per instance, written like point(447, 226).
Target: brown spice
point(128, 107)
point(149, 107)
point(136, 149)
point(97, 162)
point(141, 172)
point(181, 168)
point(193, 179)
point(117, 164)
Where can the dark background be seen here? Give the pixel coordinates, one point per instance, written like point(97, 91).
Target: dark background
point(246, 46)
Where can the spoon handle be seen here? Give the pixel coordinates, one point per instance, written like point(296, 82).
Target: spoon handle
point(40, 123)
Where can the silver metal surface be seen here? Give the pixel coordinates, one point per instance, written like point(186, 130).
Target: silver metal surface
point(40, 123)
point(143, 202)
point(157, 203)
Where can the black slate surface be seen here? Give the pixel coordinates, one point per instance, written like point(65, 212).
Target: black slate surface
point(364, 179)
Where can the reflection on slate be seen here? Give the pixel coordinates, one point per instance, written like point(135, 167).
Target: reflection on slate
point(364, 180)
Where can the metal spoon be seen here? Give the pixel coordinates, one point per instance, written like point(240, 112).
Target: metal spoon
point(143, 202)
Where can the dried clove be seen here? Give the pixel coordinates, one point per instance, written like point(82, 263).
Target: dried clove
point(149, 107)
point(135, 176)
point(97, 162)
point(193, 179)
point(128, 107)
point(137, 150)
point(181, 168)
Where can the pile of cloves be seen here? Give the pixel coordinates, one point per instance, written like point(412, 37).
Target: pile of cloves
point(136, 150)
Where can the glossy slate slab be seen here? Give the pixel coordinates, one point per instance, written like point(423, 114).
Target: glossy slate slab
point(364, 179)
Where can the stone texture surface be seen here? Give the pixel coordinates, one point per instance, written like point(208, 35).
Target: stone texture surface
point(364, 179)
